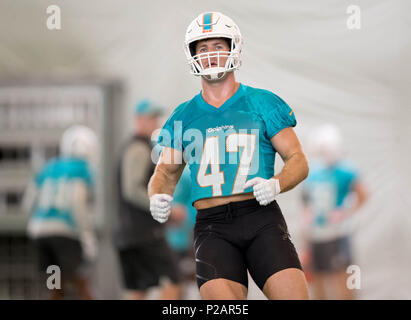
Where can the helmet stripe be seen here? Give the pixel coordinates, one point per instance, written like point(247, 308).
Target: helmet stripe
point(207, 22)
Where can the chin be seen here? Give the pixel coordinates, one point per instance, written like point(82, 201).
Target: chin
point(216, 77)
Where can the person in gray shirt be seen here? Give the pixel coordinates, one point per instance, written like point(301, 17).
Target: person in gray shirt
point(145, 258)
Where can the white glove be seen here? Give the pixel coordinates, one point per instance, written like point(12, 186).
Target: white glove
point(265, 190)
point(160, 206)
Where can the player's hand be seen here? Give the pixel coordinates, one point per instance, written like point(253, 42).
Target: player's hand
point(265, 190)
point(338, 216)
point(160, 206)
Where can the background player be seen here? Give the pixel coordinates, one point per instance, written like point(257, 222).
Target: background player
point(61, 221)
point(228, 134)
point(332, 192)
point(145, 257)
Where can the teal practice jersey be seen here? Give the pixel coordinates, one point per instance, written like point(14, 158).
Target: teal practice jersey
point(326, 189)
point(326, 193)
point(55, 195)
point(227, 146)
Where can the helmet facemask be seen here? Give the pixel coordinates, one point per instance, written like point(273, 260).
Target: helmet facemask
point(207, 64)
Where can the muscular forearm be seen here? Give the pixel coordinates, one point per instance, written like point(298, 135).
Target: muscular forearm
point(294, 171)
point(163, 181)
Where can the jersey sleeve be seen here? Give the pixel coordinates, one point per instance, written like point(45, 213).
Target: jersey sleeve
point(347, 176)
point(351, 175)
point(276, 114)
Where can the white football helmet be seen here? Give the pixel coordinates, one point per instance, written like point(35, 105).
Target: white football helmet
point(81, 142)
point(213, 25)
point(325, 143)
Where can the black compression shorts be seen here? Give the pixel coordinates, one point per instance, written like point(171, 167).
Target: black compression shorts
point(145, 264)
point(232, 238)
point(331, 256)
point(64, 252)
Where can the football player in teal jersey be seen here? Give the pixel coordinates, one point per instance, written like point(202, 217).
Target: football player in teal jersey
point(229, 135)
point(332, 193)
point(60, 224)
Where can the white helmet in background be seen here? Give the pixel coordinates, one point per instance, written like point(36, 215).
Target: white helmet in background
point(80, 142)
point(213, 25)
point(325, 143)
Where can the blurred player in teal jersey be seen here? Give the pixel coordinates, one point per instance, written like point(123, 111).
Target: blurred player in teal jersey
point(332, 192)
point(61, 213)
point(229, 135)
point(180, 229)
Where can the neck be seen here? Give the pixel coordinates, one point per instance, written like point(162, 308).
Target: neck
point(218, 92)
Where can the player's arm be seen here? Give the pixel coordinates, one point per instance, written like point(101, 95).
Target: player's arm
point(30, 198)
point(295, 167)
point(163, 182)
point(294, 171)
point(134, 166)
point(83, 206)
point(361, 193)
point(167, 172)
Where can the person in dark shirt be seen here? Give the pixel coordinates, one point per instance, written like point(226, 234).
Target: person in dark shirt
point(145, 257)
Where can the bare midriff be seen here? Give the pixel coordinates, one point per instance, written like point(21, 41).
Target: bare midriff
point(218, 201)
